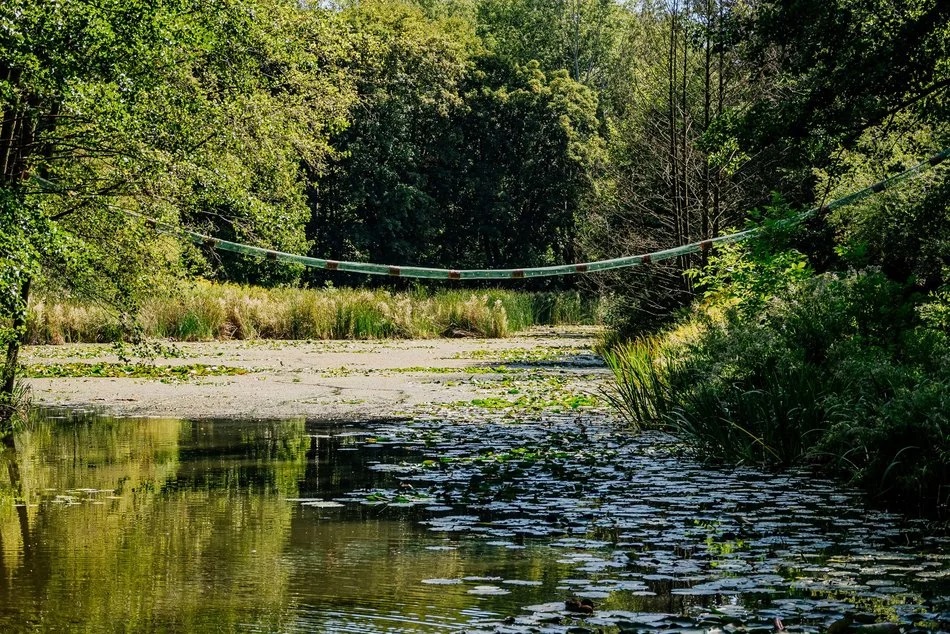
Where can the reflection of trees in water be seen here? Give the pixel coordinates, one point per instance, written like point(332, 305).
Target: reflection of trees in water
point(260, 456)
point(336, 465)
point(344, 561)
point(200, 535)
point(170, 549)
point(15, 546)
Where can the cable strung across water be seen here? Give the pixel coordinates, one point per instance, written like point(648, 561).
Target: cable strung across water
point(540, 271)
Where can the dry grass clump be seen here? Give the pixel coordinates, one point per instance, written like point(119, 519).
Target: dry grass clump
point(59, 322)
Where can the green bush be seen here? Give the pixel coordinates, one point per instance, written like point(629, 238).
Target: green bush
point(836, 371)
point(936, 311)
point(642, 391)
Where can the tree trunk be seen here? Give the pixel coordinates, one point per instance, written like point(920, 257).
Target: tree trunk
point(22, 509)
point(707, 110)
point(7, 404)
point(20, 133)
point(671, 103)
point(685, 171)
point(720, 104)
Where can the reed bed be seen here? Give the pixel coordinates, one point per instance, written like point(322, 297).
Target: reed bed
point(206, 311)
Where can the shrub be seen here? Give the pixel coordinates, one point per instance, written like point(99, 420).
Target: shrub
point(836, 372)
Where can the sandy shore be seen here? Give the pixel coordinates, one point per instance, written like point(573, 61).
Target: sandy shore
point(338, 379)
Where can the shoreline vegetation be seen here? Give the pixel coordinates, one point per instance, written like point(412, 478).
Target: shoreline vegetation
point(846, 373)
point(206, 311)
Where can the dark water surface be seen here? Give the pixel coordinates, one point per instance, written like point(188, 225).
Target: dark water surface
point(174, 525)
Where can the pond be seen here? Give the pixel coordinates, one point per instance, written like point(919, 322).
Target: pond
point(429, 525)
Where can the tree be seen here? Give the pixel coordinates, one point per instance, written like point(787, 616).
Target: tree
point(848, 93)
point(457, 156)
point(529, 153)
point(578, 36)
point(379, 200)
point(670, 180)
point(178, 110)
point(826, 72)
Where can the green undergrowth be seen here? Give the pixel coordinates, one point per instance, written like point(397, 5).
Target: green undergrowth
point(846, 372)
point(205, 311)
point(128, 371)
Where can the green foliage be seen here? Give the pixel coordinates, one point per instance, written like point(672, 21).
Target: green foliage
point(563, 307)
point(580, 37)
point(936, 311)
point(733, 276)
point(377, 201)
point(887, 424)
point(904, 231)
point(829, 70)
point(181, 111)
point(532, 142)
point(857, 360)
point(19, 231)
point(457, 156)
point(834, 371)
point(642, 392)
point(285, 93)
point(673, 175)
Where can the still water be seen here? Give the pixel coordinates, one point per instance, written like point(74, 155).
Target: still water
point(418, 526)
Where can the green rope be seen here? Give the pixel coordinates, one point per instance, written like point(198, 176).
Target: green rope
point(542, 271)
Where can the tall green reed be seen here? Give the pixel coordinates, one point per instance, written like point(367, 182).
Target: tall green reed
point(641, 391)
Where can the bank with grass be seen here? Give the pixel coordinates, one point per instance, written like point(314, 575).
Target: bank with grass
point(204, 311)
point(843, 371)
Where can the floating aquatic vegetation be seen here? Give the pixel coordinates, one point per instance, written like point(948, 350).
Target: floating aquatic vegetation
point(631, 520)
point(129, 371)
point(493, 527)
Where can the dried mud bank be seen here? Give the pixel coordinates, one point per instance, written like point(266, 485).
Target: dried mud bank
point(544, 369)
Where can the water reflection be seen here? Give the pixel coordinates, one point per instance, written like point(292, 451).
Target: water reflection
point(175, 525)
point(138, 525)
point(171, 525)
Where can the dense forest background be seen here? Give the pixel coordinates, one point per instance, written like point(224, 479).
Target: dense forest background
point(495, 133)
point(457, 133)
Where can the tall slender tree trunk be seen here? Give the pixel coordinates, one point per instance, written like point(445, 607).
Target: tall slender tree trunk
point(684, 156)
point(576, 44)
point(10, 128)
point(18, 136)
point(720, 102)
point(707, 111)
point(12, 357)
point(13, 348)
point(671, 102)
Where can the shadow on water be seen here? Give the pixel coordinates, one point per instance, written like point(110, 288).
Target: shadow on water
point(177, 525)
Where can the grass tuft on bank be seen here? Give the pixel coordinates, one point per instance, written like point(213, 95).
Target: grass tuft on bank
point(206, 311)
